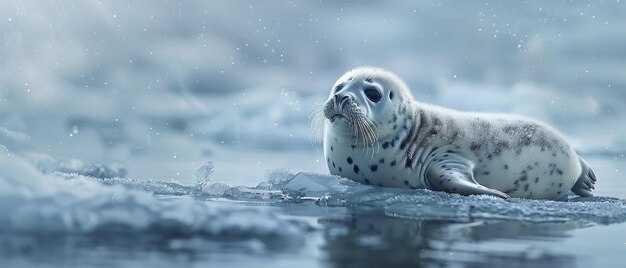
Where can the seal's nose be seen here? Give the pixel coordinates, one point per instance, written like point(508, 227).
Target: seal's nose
point(340, 98)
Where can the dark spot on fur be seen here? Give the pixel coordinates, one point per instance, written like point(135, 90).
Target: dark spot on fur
point(334, 164)
point(475, 146)
point(406, 182)
point(367, 181)
point(380, 185)
point(560, 185)
point(393, 163)
point(486, 173)
point(559, 171)
point(523, 178)
point(391, 95)
point(381, 161)
point(526, 188)
point(349, 160)
point(353, 146)
point(537, 180)
point(340, 170)
point(356, 169)
point(506, 166)
point(373, 168)
point(385, 145)
point(497, 147)
point(412, 133)
point(331, 148)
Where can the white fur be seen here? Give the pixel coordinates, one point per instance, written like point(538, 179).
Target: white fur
point(523, 156)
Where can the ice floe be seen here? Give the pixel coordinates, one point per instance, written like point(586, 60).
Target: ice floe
point(35, 203)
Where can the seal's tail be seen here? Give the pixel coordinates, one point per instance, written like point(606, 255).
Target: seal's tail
point(585, 183)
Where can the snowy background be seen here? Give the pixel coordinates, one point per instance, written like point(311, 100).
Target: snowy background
point(156, 88)
point(135, 133)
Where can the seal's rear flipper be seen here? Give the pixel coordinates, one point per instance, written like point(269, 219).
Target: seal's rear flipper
point(456, 177)
point(585, 183)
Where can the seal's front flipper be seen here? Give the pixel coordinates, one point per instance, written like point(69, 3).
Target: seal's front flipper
point(586, 182)
point(456, 177)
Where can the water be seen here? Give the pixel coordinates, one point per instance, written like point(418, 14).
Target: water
point(161, 133)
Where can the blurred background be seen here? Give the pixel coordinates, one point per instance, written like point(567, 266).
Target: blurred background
point(160, 87)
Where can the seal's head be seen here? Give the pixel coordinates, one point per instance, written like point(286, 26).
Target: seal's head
point(365, 103)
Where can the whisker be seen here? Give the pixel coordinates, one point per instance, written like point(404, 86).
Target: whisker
point(316, 122)
point(362, 132)
point(373, 127)
point(371, 135)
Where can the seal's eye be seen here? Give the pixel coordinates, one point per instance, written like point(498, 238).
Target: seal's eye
point(373, 94)
point(338, 88)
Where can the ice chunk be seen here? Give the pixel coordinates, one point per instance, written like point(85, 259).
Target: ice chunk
point(276, 179)
point(36, 203)
point(426, 204)
point(202, 177)
point(311, 184)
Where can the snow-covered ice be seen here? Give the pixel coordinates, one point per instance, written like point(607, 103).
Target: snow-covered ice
point(334, 191)
point(34, 203)
point(426, 204)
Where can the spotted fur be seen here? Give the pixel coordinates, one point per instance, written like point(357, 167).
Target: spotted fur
point(425, 146)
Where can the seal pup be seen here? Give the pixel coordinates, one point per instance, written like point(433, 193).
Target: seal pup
point(376, 133)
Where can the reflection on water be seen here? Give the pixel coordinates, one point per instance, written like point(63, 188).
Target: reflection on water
point(373, 241)
point(135, 250)
point(347, 237)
